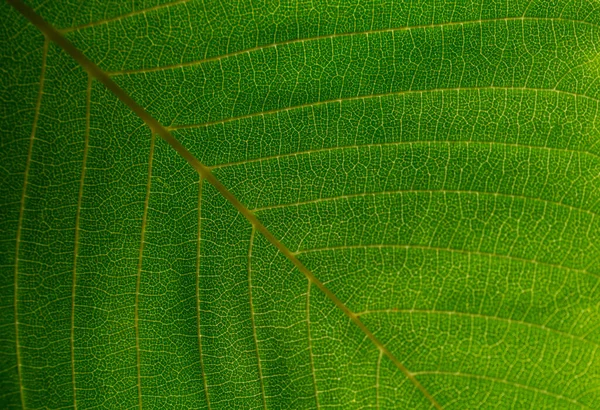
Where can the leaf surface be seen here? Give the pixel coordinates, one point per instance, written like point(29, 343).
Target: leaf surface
point(420, 178)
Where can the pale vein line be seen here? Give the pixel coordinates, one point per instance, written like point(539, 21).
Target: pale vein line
point(310, 352)
point(260, 375)
point(77, 232)
point(349, 34)
point(200, 183)
point(399, 143)
point(432, 191)
point(453, 250)
point(479, 316)
point(36, 117)
point(5, 395)
point(205, 172)
point(497, 380)
point(121, 17)
point(377, 377)
point(379, 95)
point(139, 270)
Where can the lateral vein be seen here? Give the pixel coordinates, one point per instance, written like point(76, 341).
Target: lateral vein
point(205, 382)
point(348, 34)
point(260, 374)
point(121, 17)
point(36, 116)
point(428, 191)
point(77, 232)
point(139, 271)
point(504, 381)
point(483, 317)
point(310, 352)
point(377, 386)
point(550, 150)
point(380, 95)
point(454, 250)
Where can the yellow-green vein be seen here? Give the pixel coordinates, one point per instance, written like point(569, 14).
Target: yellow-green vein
point(36, 116)
point(377, 375)
point(455, 250)
point(253, 322)
point(503, 381)
point(399, 143)
point(122, 16)
point(139, 272)
point(310, 352)
point(428, 191)
point(205, 382)
point(77, 231)
point(380, 95)
point(470, 315)
point(348, 34)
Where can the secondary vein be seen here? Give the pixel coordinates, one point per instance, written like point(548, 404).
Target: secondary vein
point(347, 34)
point(377, 386)
point(381, 95)
point(122, 16)
point(310, 352)
point(446, 249)
point(205, 382)
point(510, 321)
point(21, 215)
point(139, 272)
point(77, 232)
point(260, 374)
point(503, 381)
point(427, 191)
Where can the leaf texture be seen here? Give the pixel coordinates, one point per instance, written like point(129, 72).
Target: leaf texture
point(425, 173)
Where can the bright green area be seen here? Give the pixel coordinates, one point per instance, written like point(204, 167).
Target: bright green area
point(435, 164)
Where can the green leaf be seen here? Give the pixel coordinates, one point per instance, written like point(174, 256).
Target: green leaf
point(331, 204)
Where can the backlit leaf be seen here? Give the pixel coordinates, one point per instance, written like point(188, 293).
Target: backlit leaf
point(426, 175)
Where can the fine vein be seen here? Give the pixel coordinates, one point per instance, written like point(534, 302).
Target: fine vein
point(22, 213)
point(156, 127)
